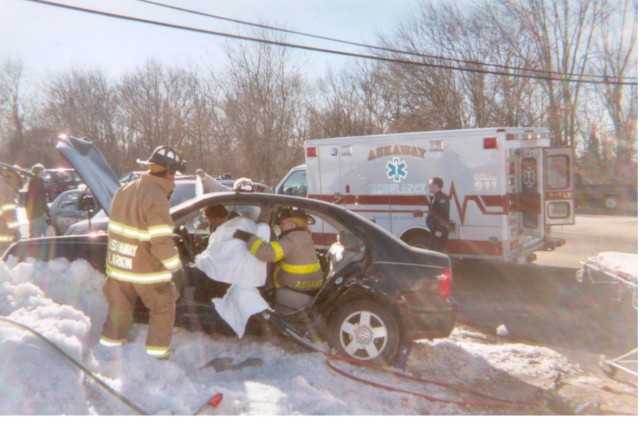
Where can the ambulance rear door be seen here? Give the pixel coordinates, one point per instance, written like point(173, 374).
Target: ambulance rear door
point(559, 201)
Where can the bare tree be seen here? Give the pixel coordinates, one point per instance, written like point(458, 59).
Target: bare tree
point(82, 104)
point(347, 104)
point(617, 59)
point(157, 106)
point(561, 33)
point(262, 100)
point(610, 136)
point(11, 115)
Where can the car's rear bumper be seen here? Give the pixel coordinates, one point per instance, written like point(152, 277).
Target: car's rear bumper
point(430, 323)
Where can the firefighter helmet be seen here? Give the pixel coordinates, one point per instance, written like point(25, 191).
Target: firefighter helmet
point(289, 212)
point(167, 157)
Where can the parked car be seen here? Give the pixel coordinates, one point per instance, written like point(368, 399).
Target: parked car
point(131, 176)
point(56, 181)
point(185, 190)
point(372, 304)
point(72, 207)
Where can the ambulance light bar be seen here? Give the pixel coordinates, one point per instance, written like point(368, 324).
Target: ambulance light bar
point(527, 136)
point(312, 151)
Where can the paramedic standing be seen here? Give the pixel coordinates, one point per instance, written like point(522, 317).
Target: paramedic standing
point(438, 216)
point(142, 259)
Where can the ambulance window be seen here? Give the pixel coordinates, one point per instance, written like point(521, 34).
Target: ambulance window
point(557, 172)
point(296, 184)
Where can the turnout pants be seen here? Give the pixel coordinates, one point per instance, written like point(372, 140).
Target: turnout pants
point(160, 299)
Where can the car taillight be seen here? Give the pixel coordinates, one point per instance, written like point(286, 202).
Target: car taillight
point(445, 282)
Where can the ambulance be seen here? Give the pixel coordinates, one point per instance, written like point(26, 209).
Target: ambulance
point(507, 187)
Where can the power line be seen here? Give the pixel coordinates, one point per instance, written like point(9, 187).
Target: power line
point(368, 46)
point(331, 51)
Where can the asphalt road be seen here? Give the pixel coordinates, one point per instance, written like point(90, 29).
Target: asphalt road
point(542, 303)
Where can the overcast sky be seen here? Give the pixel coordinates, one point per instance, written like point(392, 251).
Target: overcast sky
point(50, 39)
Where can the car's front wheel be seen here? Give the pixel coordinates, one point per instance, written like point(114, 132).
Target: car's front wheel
point(366, 331)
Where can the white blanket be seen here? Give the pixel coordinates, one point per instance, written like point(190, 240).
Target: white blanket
point(227, 259)
point(617, 261)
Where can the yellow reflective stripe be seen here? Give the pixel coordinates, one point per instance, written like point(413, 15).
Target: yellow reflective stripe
point(128, 231)
point(300, 269)
point(172, 263)
point(255, 246)
point(277, 248)
point(105, 341)
point(140, 234)
point(7, 207)
point(12, 225)
point(6, 238)
point(150, 278)
point(160, 231)
point(161, 352)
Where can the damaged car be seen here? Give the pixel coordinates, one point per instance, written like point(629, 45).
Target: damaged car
point(377, 297)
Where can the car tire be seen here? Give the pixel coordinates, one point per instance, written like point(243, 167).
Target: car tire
point(366, 331)
point(611, 202)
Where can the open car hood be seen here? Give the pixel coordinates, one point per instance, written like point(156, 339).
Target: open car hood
point(92, 168)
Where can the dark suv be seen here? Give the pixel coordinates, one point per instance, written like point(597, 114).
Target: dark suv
point(56, 181)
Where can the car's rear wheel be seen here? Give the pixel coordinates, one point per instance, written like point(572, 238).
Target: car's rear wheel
point(366, 331)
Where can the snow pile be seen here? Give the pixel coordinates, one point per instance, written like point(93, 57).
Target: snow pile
point(63, 301)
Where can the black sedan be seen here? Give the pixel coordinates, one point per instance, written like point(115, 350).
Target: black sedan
point(371, 304)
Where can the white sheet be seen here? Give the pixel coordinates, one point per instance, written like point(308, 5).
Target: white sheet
point(617, 261)
point(228, 260)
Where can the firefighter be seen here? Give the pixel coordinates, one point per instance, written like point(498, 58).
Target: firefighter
point(10, 184)
point(142, 259)
point(297, 265)
point(438, 216)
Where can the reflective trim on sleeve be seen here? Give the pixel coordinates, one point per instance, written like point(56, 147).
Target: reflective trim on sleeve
point(172, 263)
point(255, 246)
point(277, 248)
point(150, 278)
point(300, 269)
point(12, 225)
point(160, 231)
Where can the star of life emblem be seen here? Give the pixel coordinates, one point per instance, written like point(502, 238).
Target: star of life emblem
point(396, 169)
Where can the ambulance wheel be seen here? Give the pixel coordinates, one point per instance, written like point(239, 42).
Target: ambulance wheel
point(420, 241)
point(366, 331)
